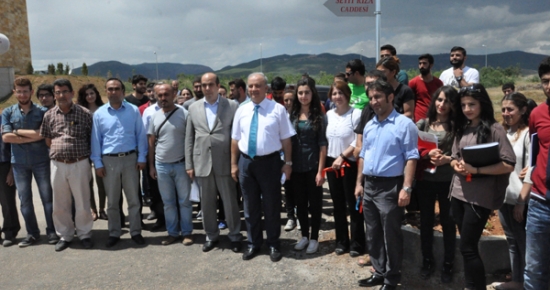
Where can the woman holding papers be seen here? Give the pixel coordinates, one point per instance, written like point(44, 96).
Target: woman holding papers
point(433, 178)
point(477, 191)
point(342, 120)
point(309, 151)
point(515, 114)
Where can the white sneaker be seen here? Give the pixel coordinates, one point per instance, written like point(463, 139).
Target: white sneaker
point(312, 247)
point(298, 227)
point(301, 244)
point(290, 225)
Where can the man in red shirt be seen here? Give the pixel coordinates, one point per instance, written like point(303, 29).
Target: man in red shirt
point(423, 86)
point(537, 254)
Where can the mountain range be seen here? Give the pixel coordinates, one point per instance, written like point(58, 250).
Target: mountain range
point(307, 63)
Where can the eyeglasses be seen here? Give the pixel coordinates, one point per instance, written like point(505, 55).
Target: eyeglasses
point(470, 89)
point(116, 89)
point(349, 73)
point(59, 93)
point(44, 95)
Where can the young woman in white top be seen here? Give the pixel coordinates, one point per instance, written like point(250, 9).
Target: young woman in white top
point(341, 141)
point(515, 114)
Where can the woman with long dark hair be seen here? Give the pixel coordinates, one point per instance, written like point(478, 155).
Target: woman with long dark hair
point(309, 151)
point(342, 120)
point(89, 97)
point(515, 115)
point(432, 186)
point(477, 191)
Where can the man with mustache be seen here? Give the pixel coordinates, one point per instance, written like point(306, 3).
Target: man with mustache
point(424, 85)
point(460, 75)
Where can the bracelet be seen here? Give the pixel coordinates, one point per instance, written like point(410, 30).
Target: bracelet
point(342, 155)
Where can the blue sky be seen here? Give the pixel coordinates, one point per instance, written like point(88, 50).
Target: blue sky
point(229, 32)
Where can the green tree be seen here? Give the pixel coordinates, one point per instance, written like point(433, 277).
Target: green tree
point(29, 69)
point(67, 69)
point(84, 69)
point(59, 70)
point(51, 69)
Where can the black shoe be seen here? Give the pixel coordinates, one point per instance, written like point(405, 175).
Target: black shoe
point(340, 251)
point(354, 254)
point(447, 273)
point(138, 239)
point(209, 245)
point(387, 287)
point(112, 241)
point(274, 254)
point(157, 227)
point(169, 240)
point(372, 281)
point(61, 245)
point(428, 267)
point(250, 253)
point(87, 243)
point(236, 247)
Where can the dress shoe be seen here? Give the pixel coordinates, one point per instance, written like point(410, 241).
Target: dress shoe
point(339, 251)
point(428, 267)
point(187, 240)
point(236, 247)
point(388, 287)
point(354, 254)
point(87, 243)
point(250, 253)
point(61, 245)
point(103, 215)
point(138, 239)
point(275, 255)
point(372, 281)
point(112, 241)
point(169, 240)
point(209, 245)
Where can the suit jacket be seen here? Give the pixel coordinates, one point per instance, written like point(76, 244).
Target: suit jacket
point(203, 145)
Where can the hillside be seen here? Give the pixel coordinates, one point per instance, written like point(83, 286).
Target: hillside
point(125, 71)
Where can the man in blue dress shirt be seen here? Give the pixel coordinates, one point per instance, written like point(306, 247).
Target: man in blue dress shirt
point(119, 150)
point(387, 162)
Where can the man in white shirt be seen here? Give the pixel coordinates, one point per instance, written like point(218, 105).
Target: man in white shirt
point(261, 129)
point(459, 75)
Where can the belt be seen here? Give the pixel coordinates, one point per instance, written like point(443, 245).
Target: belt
point(179, 161)
point(70, 161)
point(276, 153)
point(381, 178)
point(120, 154)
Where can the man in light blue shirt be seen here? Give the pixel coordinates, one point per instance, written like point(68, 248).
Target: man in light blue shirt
point(119, 150)
point(387, 162)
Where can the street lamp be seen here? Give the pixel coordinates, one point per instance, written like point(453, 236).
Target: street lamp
point(157, 64)
point(483, 45)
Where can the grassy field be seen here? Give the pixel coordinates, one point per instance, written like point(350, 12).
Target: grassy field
point(529, 89)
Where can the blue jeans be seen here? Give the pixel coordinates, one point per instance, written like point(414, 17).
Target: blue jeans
point(175, 186)
point(23, 174)
point(537, 255)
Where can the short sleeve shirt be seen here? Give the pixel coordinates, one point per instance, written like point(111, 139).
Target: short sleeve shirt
point(171, 137)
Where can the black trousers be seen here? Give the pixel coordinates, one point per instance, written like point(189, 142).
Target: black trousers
point(153, 192)
point(471, 220)
point(261, 189)
point(290, 199)
point(342, 192)
point(11, 224)
point(307, 195)
point(428, 192)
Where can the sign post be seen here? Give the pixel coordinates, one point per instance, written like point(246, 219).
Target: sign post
point(358, 8)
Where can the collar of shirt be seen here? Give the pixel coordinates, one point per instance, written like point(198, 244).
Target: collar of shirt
point(214, 104)
point(390, 117)
point(58, 110)
point(122, 106)
point(263, 104)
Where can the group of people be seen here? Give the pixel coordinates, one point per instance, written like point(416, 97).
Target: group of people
point(249, 143)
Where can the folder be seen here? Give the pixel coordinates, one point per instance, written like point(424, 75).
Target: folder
point(482, 154)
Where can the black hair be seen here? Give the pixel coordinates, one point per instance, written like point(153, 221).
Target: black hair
point(82, 96)
point(377, 75)
point(486, 116)
point(531, 105)
point(223, 87)
point(389, 47)
point(459, 48)
point(118, 80)
point(391, 63)
point(44, 87)
point(544, 67)
point(151, 85)
point(315, 112)
point(451, 95)
point(137, 78)
point(356, 65)
point(427, 56)
point(197, 79)
point(508, 86)
point(239, 83)
point(63, 83)
point(278, 83)
point(520, 101)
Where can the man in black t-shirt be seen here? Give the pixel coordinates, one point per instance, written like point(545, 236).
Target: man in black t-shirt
point(138, 98)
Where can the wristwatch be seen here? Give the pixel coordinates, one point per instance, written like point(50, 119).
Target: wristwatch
point(407, 189)
point(289, 163)
point(459, 79)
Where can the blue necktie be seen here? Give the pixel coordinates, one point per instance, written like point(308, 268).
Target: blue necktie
point(252, 140)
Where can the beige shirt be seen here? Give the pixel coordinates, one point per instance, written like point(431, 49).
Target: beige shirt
point(486, 191)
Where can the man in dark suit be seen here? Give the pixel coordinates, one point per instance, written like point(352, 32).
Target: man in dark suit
point(208, 138)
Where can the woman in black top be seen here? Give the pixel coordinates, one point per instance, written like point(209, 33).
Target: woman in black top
point(309, 150)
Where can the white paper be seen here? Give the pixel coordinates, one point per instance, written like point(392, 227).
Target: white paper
point(431, 138)
point(283, 178)
point(195, 195)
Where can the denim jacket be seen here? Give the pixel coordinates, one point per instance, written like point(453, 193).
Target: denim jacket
point(14, 119)
point(306, 146)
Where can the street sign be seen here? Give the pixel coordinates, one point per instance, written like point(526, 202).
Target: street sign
point(351, 8)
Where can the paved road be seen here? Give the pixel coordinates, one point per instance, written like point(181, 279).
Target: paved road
point(128, 266)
